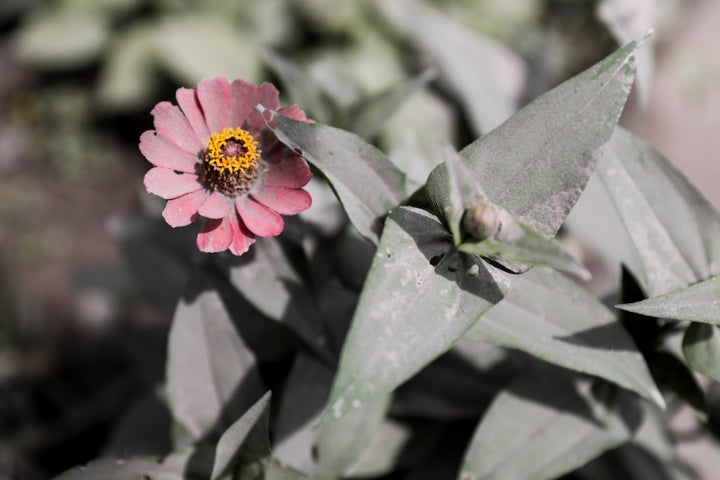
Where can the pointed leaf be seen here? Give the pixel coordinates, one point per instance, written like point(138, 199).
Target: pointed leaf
point(698, 303)
point(488, 77)
point(536, 164)
point(211, 375)
point(418, 300)
point(268, 280)
point(245, 442)
point(675, 231)
point(701, 348)
point(365, 181)
point(547, 315)
point(544, 425)
point(463, 193)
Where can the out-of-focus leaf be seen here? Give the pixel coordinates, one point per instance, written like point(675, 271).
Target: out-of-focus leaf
point(177, 466)
point(211, 375)
point(701, 348)
point(629, 20)
point(697, 303)
point(196, 47)
point(370, 116)
point(127, 76)
point(544, 425)
point(488, 77)
point(342, 441)
point(383, 454)
point(268, 280)
point(536, 164)
point(144, 429)
point(675, 231)
point(100, 6)
point(551, 317)
point(245, 442)
point(672, 374)
point(417, 302)
point(528, 248)
point(274, 470)
point(303, 88)
point(60, 38)
point(365, 181)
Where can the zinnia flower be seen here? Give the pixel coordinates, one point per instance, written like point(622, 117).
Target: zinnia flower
point(216, 158)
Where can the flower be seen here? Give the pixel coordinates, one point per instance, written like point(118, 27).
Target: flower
point(215, 157)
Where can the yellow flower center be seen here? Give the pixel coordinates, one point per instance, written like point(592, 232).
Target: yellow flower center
point(232, 162)
point(232, 151)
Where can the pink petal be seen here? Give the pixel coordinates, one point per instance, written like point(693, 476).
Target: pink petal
point(294, 112)
point(284, 200)
point(214, 97)
point(162, 152)
point(217, 205)
point(215, 235)
point(259, 219)
point(242, 238)
point(244, 97)
point(168, 184)
point(289, 172)
point(268, 99)
point(183, 210)
point(188, 101)
point(173, 125)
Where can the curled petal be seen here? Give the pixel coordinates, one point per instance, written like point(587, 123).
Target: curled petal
point(172, 124)
point(183, 210)
point(216, 205)
point(294, 112)
point(259, 219)
point(286, 201)
point(244, 97)
point(168, 184)
point(268, 99)
point(188, 101)
point(214, 97)
point(289, 172)
point(162, 152)
point(215, 235)
point(242, 238)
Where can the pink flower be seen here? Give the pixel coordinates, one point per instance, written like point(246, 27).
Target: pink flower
point(216, 158)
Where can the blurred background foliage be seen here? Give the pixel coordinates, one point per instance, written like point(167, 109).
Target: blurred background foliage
point(83, 324)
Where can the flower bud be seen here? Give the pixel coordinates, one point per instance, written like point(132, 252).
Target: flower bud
point(482, 221)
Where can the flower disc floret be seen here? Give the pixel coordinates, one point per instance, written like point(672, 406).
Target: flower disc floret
point(231, 163)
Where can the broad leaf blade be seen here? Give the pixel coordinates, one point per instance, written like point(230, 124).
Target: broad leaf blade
point(701, 348)
point(551, 317)
point(417, 302)
point(675, 231)
point(545, 425)
point(245, 442)
point(211, 375)
point(365, 181)
point(698, 303)
point(536, 164)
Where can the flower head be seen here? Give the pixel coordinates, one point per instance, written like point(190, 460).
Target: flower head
point(215, 158)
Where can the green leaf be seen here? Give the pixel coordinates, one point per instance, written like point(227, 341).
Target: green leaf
point(268, 280)
point(488, 77)
point(245, 442)
point(529, 247)
point(463, 193)
point(418, 300)
point(672, 374)
point(536, 164)
point(211, 374)
point(551, 317)
point(675, 231)
point(365, 181)
point(544, 425)
point(303, 88)
point(370, 116)
point(382, 456)
point(194, 47)
point(698, 303)
point(58, 37)
point(701, 348)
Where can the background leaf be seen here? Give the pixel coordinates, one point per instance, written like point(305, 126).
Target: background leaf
point(211, 375)
point(551, 317)
point(545, 424)
point(365, 181)
point(701, 348)
point(675, 231)
point(417, 302)
point(536, 164)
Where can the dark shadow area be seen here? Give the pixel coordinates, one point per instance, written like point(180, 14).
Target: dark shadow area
point(610, 336)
